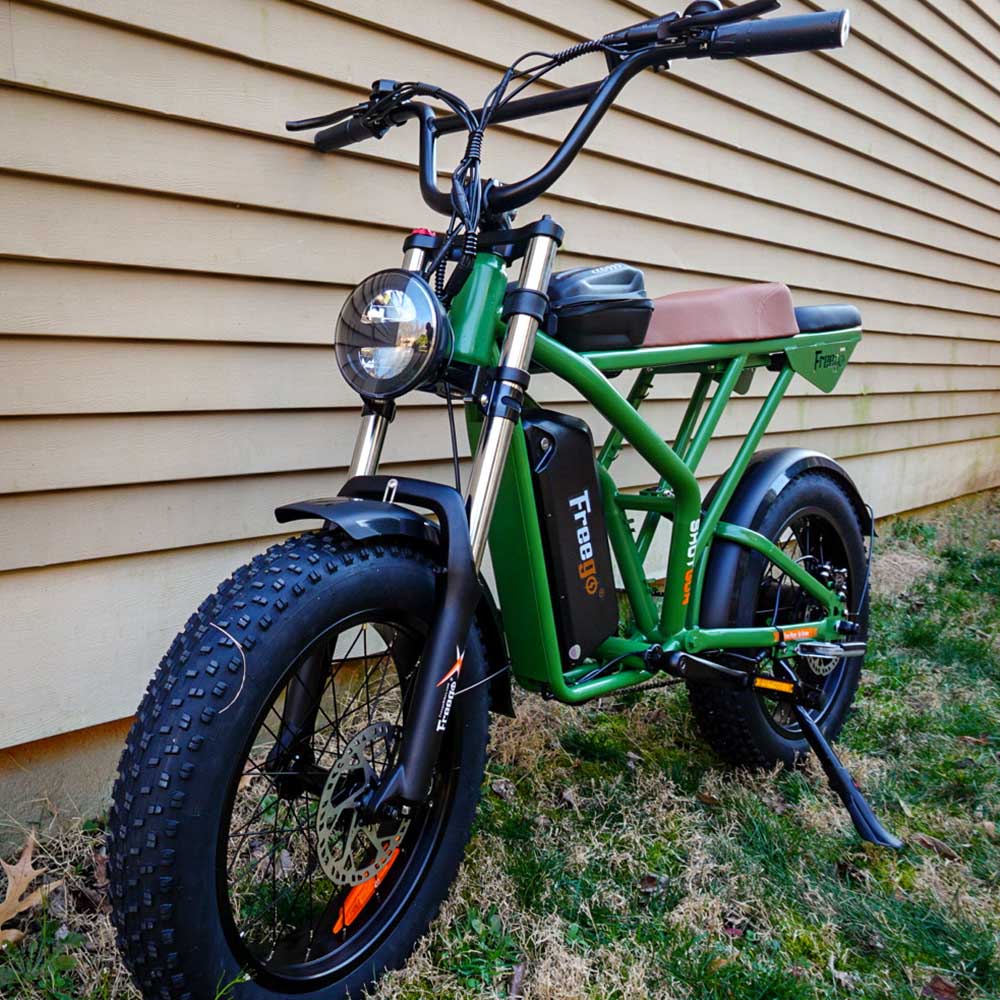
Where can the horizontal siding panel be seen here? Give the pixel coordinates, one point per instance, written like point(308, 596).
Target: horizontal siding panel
point(103, 637)
point(79, 223)
point(884, 91)
point(56, 453)
point(354, 44)
point(896, 37)
point(169, 279)
point(38, 529)
point(954, 34)
point(802, 90)
point(55, 376)
point(226, 166)
point(50, 298)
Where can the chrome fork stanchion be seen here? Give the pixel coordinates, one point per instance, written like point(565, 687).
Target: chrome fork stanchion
point(375, 422)
point(494, 442)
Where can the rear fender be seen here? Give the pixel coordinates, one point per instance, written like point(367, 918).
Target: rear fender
point(368, 520)
point(768, 473)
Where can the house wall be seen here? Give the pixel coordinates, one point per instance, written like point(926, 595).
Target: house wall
point(172, 262)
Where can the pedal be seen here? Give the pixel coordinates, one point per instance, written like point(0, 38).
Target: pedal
point(832, 650)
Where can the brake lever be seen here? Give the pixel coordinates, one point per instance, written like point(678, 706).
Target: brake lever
point(714, 18)
point(323, 120)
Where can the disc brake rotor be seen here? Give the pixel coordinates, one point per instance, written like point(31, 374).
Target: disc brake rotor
point(821, 666)
point(349, 851)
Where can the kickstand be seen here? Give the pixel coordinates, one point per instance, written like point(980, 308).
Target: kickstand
point(865, 821)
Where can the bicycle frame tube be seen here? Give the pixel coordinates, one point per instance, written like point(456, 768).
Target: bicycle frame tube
point(515, 534)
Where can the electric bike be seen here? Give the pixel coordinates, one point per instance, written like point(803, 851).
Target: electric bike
point(297, 791)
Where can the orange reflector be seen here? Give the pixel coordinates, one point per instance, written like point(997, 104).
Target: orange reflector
point(772, 685)
point(358, 897)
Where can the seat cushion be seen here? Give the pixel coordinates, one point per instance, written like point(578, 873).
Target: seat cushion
point(820, 319)
point(721, 315)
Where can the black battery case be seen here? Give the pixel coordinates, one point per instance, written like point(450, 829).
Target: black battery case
point(574, 532)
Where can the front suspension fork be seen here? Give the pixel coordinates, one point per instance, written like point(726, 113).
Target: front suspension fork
point(464, 531)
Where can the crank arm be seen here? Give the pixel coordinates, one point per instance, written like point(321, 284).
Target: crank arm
point(698, 670)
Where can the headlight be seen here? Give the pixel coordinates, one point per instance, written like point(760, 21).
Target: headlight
point(392, 335)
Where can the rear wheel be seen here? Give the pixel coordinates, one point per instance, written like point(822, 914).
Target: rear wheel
point(813, 520)
point(236, 848)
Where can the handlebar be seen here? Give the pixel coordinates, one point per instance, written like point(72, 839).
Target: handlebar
point(344, 134)
point(716, 35)
point(779, 35)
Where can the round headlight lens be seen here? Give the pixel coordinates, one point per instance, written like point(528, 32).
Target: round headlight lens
point(392, 335)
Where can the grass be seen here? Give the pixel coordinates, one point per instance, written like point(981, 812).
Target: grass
point(614, 856)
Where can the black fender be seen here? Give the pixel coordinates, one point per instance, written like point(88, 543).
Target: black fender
point(768, 473)
point(363, 520)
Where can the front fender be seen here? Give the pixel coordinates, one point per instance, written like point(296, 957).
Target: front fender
point(363, 520)
point(768, 473)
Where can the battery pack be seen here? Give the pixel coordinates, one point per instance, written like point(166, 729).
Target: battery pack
point(574, 532)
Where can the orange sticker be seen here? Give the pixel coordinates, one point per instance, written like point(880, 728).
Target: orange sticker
point(794, 634)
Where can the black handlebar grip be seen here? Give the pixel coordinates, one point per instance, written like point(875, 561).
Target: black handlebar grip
point(343, 134)
point(778, 35)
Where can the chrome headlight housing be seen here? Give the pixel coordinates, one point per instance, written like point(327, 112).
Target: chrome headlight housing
point(393, 335)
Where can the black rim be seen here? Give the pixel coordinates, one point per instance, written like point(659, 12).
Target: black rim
point(811, 538)
point(279, 907)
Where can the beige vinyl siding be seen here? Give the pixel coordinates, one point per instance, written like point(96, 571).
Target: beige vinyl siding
point(171, 264)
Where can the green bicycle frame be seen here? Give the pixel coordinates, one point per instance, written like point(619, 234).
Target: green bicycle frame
point(515, 535)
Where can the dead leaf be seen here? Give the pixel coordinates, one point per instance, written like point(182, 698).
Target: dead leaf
point(543, 822)
point(570, 798)
point(875, 941)
point(798, 971)
point(993, 545)
point(505, 788)
point(733, 928)
point(989, 828)
point(976, 741)
point(18, 899)
point(57, 902)
point(719, 963)
point(706, 798)
point(940, 989)
point(101, 869)
point(939, 847)
point(842, 980)
point(632, 760)
point(516, 981)
point(907, 811)
point(652, 885)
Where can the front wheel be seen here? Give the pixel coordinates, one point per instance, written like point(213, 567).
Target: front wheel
point(814, 521)
point(236, 852)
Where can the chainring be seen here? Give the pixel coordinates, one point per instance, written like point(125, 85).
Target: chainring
point(349, 851)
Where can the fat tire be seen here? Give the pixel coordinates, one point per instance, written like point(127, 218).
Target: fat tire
point(181, 753)
point(733, 722)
